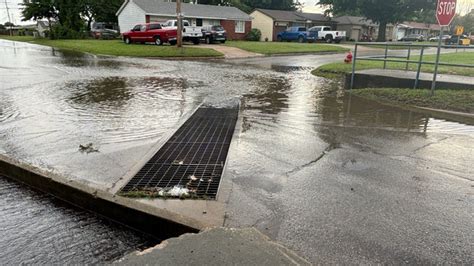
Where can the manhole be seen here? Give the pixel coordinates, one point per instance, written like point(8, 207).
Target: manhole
point(191, 163)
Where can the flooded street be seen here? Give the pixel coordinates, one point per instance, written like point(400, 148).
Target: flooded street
point(334, 177)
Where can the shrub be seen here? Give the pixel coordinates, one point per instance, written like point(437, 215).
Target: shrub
point(61, 32)
point(254, 35)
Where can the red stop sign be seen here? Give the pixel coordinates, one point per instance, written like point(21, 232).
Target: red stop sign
point(445, 12)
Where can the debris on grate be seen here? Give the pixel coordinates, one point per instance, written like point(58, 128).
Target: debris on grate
point(191, 163)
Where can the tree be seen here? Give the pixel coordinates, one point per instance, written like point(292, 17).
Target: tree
point(2, 27)
point(382, 12)
point(9, 24)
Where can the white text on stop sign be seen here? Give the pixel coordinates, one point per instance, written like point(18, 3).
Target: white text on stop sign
point(446, 8)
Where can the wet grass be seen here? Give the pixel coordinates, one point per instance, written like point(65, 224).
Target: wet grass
point(453, 100)
point(272, 48)
point(118, 48)
point(458, 58)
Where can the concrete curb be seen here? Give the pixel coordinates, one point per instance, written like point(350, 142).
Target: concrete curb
point(135, 214)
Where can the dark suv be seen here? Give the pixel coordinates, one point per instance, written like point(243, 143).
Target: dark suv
point(214, 34)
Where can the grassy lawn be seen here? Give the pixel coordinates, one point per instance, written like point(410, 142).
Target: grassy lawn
point(270, 48)
point(461, 58)
point(118, 48)
point(454, 100)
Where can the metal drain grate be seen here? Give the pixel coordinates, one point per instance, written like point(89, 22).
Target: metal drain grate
point(193, 157)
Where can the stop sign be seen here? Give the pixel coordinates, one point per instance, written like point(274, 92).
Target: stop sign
point(445, 12)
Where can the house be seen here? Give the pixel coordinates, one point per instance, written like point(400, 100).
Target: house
point(272, 22)
point(236, 22)
point(357, 27)
point(408, 28)
point(42, 26)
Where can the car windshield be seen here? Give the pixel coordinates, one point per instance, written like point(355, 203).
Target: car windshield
point(217, 28)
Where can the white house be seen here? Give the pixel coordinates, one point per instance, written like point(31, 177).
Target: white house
point(236, 22)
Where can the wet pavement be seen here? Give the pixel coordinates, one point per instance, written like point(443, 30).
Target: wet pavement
point(335, 178)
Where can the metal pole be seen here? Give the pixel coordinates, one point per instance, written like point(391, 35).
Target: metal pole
point(408, 56)
point(179, 20)
point(353, 67)
point(435, 75)
point(420, 62)
point(9, 18)
point(386, 53)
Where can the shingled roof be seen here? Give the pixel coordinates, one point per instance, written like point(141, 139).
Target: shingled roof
point(283, 15)
point(162, 8)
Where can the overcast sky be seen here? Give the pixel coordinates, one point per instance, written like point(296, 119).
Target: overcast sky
point(309, 6)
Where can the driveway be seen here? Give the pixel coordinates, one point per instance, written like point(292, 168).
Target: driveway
point(230, 52)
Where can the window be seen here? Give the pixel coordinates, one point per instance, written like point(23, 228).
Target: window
point(155, 26)
point(137, 28)
point(302, 29)
point(327, 29)
point(143, 28)
point(199, 22)
point(240, 26)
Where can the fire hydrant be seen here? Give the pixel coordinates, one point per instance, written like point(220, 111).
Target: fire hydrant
point(348, 58)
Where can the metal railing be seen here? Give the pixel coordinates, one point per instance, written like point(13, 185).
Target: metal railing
point(386, 58)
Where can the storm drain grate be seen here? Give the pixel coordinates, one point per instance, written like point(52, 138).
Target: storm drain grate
point(193, 158)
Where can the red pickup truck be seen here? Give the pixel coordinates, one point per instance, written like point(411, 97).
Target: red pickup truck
point(150, 32)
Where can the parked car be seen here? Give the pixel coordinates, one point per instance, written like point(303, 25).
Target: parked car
point(324, 33)
point(436, 39)
point(214, 34)
point(150, 32)
point(103, 30)
point(293, 34)
point(459, 40)
point(190, 33)
point(413, 38)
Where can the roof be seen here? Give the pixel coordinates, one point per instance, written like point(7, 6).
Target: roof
point(162, 8)
point(419, 25)
point(353, 20)
point(283, 15)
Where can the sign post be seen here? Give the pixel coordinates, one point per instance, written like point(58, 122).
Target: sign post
point(445, 12)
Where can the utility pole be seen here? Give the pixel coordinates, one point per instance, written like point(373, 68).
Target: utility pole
point(9, 18)
point(180, 24)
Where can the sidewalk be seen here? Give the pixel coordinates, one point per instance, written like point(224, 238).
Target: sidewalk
point(220, 246)
point(388, 78)
point(230, 52)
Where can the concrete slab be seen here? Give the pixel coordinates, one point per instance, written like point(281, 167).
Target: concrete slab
point(219, 246)
point(389, 78)
point(230, 52)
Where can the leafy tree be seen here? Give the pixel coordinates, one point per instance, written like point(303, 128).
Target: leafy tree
point(2, 27)
point(39, 9)
point(380, 11)
point(9, 24)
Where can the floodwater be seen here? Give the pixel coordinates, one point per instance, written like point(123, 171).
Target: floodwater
point(304, 148)
point(39, 229)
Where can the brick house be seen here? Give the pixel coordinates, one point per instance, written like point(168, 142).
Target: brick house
point(236, 22)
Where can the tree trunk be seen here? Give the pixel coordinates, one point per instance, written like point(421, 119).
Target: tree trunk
point(382, 32)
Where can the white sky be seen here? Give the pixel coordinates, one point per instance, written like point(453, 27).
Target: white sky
point(464, 6)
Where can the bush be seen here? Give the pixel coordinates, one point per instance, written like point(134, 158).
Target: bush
point(61, 32)
point(254, 35)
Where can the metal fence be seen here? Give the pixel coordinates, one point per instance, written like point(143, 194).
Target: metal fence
point(410, 47)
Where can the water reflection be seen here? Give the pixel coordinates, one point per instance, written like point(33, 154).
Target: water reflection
point(112, 90)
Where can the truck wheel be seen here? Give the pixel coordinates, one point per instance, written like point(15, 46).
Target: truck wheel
point(208, 40)
point(158, 40)
point(328, 38)
point(279, 39)
point(127, 40)
point(301, 39)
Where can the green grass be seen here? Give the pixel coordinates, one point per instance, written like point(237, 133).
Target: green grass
point(459, 58)
point(454, 100)
point(118, 48)
point(271, 48)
